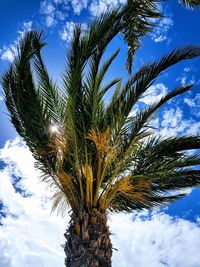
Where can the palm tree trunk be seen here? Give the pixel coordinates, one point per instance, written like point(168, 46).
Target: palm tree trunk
point(88, 240)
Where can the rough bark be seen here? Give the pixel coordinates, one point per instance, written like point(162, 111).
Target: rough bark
point(88, 240)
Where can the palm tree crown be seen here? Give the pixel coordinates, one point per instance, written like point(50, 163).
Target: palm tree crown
point(98, 155)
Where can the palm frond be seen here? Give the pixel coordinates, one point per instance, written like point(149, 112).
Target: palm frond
point(122, 203)
point(140, 124)
point(136, 24)
point(48, 90)
point(191, 4)
point(157, 156)
point(121, 106)
point(177, 180)
point(22, 96)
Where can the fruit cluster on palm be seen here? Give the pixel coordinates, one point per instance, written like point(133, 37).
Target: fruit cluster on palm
point(98, 156)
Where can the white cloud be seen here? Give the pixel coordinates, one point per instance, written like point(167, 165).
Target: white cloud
point(160, 32)
point(48, 10)
point(194, 129)
point(79, 5)
point(158, 241)
point(182, 79)
point(172, 122)
point(26, 27)
point(50, 21)
point(8, 52)
point(190, 102)
point(25, 234)
point(172, 117)
point(47, 7)
point(30, 236)
point(1, 98)
point(97, 7)
point(187, 69)
point(154, 93)
point(67, 32)
point(60, 1)
point(193, 102)
point(55, 11)
point(186, 79)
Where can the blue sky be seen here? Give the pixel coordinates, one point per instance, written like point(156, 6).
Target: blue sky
point(30, 235)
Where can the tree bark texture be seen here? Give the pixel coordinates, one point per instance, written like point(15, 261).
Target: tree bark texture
point(88, 240)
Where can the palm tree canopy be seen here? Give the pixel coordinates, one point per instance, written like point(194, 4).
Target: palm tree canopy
point(97, 154)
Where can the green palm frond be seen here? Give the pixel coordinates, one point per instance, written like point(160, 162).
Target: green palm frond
point(53, 103)
point(143, 117)
point(98, 155)
point(137, 24)
point(177, 180)
point(27, 104)
point(163, 165)
point(158, 156)
point(22, 98)
point(93, 98)
point(121, 105)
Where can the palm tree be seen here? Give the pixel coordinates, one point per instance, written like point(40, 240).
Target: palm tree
point(97, 156)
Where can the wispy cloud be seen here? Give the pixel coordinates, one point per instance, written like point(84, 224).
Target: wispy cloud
point(172, 117)
point(194, 129)
point(187, 69)
point(173, 123)
point(154, 93)
point(66, 33)
point(79, 5)
point(26, 27)
point(56, 11)
point(190, 102)
point(48, 9)
point(193, 104)
point(186, 79)
point(97, 7)
point(160, 32)
point(8, 52)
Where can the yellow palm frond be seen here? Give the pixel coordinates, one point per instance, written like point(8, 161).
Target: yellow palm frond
point(59, 203)
point(87, 172)
point(101, 140)
point(126, 188)
point(69, 188)
point(106, 152)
